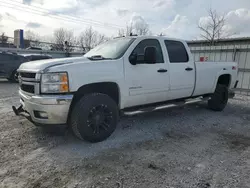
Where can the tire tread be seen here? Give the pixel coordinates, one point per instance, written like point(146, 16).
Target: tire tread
point(214, 103)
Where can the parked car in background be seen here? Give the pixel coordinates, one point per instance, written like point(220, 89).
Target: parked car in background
point(10, 62)
point(33, 48)
point(35, 57)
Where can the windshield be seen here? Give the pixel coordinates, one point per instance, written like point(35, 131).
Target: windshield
point(112, 49)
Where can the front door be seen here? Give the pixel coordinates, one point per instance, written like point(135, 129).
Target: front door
point(148, 82)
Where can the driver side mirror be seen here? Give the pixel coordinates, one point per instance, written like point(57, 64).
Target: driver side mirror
point(133, 58)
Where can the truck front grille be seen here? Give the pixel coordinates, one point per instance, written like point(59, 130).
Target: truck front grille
point(27, 75)
point(28, 82)
point(28, 88)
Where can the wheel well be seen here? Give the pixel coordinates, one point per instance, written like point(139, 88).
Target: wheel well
point(109, 88)
point(224, 80)
point(10, 73)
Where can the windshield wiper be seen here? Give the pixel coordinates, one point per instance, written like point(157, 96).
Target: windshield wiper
point(98, 57)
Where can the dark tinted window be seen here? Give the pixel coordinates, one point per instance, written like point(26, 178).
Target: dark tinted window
point(176, 51)
point(4, 57)
point(34, 58)
point(8, 57)
point(16, 57)
point(23, 59)
point(140, 49)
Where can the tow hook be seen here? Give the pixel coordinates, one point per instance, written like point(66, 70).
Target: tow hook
point(18, 110)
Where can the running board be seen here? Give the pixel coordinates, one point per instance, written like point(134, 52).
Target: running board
point(164, 105)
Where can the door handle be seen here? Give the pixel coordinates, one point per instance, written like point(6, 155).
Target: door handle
point(189, 69)
point(162, 70)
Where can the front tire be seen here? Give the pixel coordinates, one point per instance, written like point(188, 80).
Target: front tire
point(94, 117)
point(219, 99)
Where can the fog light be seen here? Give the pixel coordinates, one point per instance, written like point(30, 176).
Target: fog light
point(41, 114)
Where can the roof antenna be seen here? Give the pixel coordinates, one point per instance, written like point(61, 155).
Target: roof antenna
point(131, 34)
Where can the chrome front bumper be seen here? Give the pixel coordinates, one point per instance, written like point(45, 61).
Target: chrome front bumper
point(55, 106)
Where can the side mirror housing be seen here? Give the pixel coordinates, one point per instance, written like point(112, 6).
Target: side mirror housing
point(133, 58)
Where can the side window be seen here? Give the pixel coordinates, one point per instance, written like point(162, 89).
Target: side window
point(34, 58)
point(141, 47)
point(16, 57)
point(23, 59)
point(176, 51)
point(9, 57)
point(4, 57)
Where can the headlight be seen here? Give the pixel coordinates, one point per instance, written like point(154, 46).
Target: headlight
point(54, 83)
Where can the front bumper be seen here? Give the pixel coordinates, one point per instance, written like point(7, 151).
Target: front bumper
point(55, 106)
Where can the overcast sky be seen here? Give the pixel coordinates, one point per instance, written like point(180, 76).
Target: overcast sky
point(175, 18)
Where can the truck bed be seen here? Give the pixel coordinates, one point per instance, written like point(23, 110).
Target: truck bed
point(207, 74)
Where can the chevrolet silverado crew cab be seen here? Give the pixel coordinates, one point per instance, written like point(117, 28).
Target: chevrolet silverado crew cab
point(89, 93)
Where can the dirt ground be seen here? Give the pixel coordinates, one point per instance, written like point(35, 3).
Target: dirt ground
point(178, 147)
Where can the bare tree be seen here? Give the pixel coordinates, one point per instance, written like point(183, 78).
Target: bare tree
point(90, 38)
point(31, 39)
point(3, 39)
point(64, 40)
point(121, 33)
point(141, 28)
point(100, 39)
point(87, 39)
point(32, 36)
point(1, 17)
point(127, 31)
point(214, 28)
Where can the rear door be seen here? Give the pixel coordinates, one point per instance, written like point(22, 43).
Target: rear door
point(182, 70)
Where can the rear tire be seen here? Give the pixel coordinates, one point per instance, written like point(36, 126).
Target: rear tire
point(94, 117)
point(219, 99)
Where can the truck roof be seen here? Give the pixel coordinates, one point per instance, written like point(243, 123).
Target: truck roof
point(152, 36)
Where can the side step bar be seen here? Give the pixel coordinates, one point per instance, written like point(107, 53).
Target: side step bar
point(158, 106)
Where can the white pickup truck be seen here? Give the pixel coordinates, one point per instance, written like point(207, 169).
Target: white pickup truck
point(88, 93)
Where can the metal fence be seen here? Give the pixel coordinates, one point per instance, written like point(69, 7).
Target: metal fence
point(54, 54)
point(239, 53)
point(48, 46)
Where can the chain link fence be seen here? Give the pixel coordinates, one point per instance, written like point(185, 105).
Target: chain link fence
point(48, 46)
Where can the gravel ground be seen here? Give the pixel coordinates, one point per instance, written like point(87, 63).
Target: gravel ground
point(186, 146)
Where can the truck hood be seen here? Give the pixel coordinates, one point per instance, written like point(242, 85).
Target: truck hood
point(40, 65)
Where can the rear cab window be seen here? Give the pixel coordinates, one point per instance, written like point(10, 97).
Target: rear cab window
point(177, 52)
